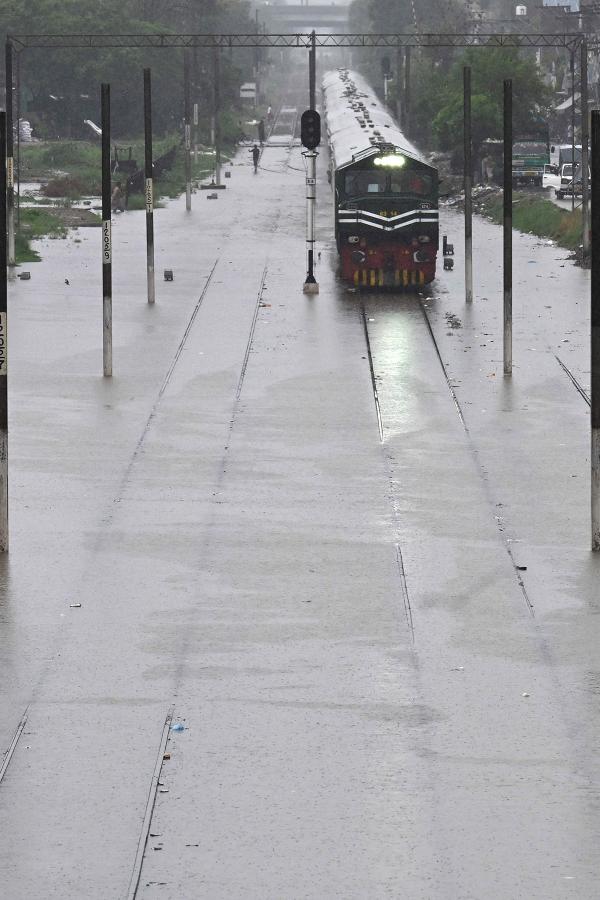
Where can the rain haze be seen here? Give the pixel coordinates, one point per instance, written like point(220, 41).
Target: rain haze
point(300, 450)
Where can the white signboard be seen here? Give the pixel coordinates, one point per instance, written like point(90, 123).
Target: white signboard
point(248, 90)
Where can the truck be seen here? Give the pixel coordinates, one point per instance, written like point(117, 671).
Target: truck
point(531, 153)
point(561, 179)
point(565, 153)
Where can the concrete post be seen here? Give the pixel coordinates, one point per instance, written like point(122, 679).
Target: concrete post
point(507, 242)
point(585, 156)
point(595, 334)
point(3, 348)
point(106, 234)
point(468, 184)
point(10, 163)
point(149, 185)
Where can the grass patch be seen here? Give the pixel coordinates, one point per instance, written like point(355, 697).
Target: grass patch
point(36, 223)
point(540, 217)
point(23, 250)
point(71, 157)
point(41, 222)
point(73, 167)
point(138, 201)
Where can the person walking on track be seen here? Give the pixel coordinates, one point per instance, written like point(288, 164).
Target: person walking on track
point(255, 157)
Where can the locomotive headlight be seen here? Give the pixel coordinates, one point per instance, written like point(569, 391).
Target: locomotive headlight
point(424, 239)
point(392, 161)
point(353, 239)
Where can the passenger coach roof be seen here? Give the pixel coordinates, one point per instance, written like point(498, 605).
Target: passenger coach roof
point(357, 122)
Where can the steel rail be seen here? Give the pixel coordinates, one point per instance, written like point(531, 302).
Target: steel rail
point(13, 744)
point(372, 371)
point(568, 40)
point(574, 381)
point(134, 881)
point(475, 454)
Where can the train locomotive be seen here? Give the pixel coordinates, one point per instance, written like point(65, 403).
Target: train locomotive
point(385, 193)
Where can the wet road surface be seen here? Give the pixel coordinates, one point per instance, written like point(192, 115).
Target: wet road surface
point(356, 573)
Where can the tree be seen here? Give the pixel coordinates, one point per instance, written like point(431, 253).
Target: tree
point(489, 69)
point(64, 85)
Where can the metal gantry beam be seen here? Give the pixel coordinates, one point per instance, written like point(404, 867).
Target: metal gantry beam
point(570, 41)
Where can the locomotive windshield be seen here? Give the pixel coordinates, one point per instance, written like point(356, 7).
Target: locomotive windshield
point(413, 181)
point(365, 182)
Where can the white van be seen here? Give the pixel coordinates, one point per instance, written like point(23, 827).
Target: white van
point(560, 178)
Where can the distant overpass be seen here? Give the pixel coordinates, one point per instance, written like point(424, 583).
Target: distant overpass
point(292, 17)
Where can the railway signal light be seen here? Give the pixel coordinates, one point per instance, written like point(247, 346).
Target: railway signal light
point(310, 129)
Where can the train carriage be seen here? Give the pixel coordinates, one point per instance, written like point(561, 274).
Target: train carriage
point(385, 192)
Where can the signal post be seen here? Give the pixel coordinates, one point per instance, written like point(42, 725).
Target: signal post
point(3, 345)
point(310, 137)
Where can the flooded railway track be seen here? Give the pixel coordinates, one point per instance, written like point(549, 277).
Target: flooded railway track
point(574, 380)
point(8, 755)
point(375, 378)
point(136, 873)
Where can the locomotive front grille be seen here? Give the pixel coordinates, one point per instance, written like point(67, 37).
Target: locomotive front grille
point(379, 278)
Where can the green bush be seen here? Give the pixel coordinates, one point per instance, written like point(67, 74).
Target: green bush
point(540, 217)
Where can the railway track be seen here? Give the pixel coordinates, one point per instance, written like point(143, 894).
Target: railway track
point(9, 753)
point(413, 304)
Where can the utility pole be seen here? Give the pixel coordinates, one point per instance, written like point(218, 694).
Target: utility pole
point(10, 163)
point(585, 156)
point(311, 141)
point(468, 184)
point(106, 234)
point(507, 242)
point(595, 334)
point(217, 112)
point(3, 347)
point(257, 60)
point(399, 73)
point(406, 124)
point(312, 72)
point(573, 129)
point(17, 166)
point(149, 185)
point(187, 130)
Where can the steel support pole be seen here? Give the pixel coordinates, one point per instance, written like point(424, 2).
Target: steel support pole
point(507, 242)
point(573, 129)
point(106, 234)
point(312, 72)
point(217, 111)
point(149, 178)
point(187, 130)
point(595, 333)
point(10, 163)
point(310, 285)
point(399, 62)
point(468, 184)
point(3, 345)
point(257, 72)
point(585, 156)
point(17, 167)
point(406, 124)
